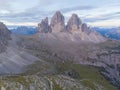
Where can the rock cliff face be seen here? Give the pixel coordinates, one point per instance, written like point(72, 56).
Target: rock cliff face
point(57, 22)
point(44, 26)
point(85, 28)
point(75, 30)
point(4, 36)
point(74, 23)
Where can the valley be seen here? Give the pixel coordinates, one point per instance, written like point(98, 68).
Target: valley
point(59, 57)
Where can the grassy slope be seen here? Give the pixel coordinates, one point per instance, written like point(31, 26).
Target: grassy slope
point(90, 74)
point(87, 74)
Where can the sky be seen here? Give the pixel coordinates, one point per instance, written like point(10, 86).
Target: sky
point(96, 13)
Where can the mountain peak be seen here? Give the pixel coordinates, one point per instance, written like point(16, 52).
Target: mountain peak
point(45, 20)
point(74, 23)
point(57, 18)
point(58, 13)
point(44, 27)
point(57, 22)
point(75, 15)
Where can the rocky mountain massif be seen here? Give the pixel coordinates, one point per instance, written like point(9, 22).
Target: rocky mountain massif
point(72, 57)
point(74, 30)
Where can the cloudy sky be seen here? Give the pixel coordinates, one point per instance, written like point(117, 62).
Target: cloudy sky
point(103, 13)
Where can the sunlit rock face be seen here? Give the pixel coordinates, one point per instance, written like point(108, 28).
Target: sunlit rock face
point(57, 22)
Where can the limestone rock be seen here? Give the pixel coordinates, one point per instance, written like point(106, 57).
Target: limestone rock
point(74, 30)
point(4, 36)
point(85, 28)
point(44, 27)
point(73, 23)
point(57, 22)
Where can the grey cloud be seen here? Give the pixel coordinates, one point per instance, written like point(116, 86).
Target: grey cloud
point(115, 15)
point(5, 5)
point(65, 10)
point(26, 16)
point(35, 14)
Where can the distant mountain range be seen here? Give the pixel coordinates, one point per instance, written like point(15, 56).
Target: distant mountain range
point(24, 30)
point(113, 33)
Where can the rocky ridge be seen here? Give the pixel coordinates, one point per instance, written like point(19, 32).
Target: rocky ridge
point(4, 37)
point(12, 57)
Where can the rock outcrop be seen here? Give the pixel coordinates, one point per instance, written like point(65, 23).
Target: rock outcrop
point(84, 27)
point(57, 22)
point(74, 23)
point(47, 83)
point(4, 36)
point(44, 26)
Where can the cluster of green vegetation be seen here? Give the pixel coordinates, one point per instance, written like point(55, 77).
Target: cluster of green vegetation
point(56, 86)
point(33, 68)
point(92, 75)
point(1, 84)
